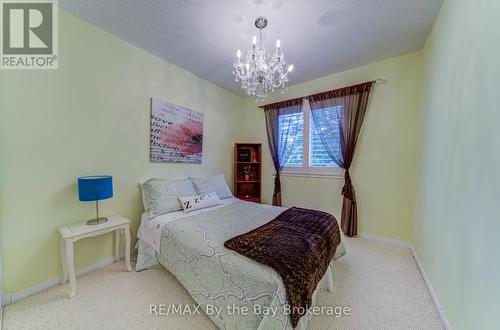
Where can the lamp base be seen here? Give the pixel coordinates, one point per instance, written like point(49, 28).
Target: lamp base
point(97, 221)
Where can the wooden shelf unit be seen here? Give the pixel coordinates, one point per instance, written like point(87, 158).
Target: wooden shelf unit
point(248, 155)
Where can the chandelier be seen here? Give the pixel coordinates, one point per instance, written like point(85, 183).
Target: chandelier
point(259, 71)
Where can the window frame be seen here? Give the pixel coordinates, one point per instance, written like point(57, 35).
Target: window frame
point(306, 170)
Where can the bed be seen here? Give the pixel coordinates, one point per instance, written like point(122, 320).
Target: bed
point(191, 247)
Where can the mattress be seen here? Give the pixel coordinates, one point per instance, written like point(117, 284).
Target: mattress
point(221, 281)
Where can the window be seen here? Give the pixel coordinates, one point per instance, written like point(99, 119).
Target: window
point(285, 121)
point(318, 156)
point(309, 157)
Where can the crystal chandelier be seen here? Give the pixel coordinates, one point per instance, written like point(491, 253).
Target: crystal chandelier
point(261, 72)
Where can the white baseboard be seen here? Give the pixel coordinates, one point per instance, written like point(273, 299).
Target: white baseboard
point(385, 239)
point(434, 298)
point(10, 298)
point(420, 267)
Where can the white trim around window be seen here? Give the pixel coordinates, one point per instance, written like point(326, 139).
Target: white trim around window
point(328, 173)
point(306, 171)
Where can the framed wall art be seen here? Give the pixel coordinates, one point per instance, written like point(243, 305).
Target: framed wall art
point(176, 133)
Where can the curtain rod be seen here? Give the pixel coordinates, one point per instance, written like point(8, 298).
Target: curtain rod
point(375, 82)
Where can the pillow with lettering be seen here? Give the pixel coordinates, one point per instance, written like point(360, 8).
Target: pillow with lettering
point(199, 202)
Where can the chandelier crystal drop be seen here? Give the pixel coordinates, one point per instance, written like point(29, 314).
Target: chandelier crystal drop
point(259, 71)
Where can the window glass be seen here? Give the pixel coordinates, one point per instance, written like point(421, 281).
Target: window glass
point(318, 156)
point(285, 122)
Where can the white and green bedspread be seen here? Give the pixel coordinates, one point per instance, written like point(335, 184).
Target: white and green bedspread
point(191, 247)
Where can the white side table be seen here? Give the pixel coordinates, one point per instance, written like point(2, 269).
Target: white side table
point(75, 231)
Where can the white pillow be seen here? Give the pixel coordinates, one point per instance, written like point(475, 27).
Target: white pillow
point(215, 184)
point(199, 202)
point(160, 196)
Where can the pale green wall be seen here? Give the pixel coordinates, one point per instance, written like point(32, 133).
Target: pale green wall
point(90, 116)
point(384, 168)
point(458, 227)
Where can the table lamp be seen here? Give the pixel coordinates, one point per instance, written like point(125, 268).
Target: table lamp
point(95, 188)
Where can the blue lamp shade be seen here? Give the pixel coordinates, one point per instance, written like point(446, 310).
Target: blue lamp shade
point(95, 188)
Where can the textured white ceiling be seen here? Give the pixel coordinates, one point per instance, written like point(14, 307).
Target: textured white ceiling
point(319, 37)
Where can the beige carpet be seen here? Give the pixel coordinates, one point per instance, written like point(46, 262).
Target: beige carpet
point(379, 282)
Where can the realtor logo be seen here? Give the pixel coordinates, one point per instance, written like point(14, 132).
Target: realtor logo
point(29, 34)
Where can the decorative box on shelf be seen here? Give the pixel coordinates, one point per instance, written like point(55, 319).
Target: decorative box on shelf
point(248, 171)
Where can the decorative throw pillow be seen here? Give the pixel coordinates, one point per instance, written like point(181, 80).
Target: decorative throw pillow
point(199, 202)
point(215, 184)
point(160, 196)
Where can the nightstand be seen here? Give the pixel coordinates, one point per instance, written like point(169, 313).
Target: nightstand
point(75, 231)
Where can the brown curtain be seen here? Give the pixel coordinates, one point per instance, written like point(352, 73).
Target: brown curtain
point(352, 103)
point(281, 136)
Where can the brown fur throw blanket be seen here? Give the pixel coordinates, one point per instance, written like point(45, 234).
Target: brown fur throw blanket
point(299, 245)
